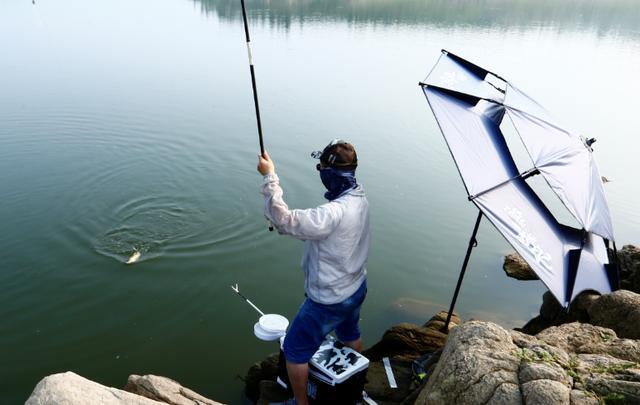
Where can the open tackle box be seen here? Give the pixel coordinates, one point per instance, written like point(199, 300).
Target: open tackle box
point(337, 374)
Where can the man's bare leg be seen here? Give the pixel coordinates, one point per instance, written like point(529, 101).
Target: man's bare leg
point(355, 345)
point(298, 377)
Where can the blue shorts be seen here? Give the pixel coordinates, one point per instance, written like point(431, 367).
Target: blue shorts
point(314, 321)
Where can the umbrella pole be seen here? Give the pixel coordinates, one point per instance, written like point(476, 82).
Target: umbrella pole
point(472, 243)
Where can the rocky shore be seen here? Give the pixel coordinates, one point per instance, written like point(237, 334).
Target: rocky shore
point(588, 355)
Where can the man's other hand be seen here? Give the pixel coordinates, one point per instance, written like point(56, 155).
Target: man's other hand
point(265, 165)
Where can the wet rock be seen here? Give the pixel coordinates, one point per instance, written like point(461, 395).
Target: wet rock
point(267, 370)
point(377, 386)
point(406, 340)
point(516, 267)
point(71, 389)
point(272, 392)
point(619, 311)
point(629, 260)
point(165, 390)
point(438, 321)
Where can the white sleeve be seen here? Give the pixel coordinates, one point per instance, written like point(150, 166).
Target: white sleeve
point(312, 223)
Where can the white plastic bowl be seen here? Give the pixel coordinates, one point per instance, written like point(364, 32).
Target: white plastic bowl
point(273, 323)
point(264, 335)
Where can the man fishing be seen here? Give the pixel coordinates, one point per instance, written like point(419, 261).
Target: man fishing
point(336, 246)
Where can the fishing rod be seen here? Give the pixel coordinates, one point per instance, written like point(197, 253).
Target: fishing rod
point(253, 77)
point(253, 86)
point(237, 291)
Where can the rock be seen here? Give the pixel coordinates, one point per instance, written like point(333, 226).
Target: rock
point(438, 320)
point(516, 267)
point(573, 364)
point(533, 371)
point(627, 392)
point(408, 340)
point(619, 311)
point(543, 392)
point(265, 370)
point(71, 389)
point(579, 397)
point(377, 386)
point(629, 260)
point(584, 338)
point(165, 390)
point(553, 314)
point(476, 366)
point(272, 392)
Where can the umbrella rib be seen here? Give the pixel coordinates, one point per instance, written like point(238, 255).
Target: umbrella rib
point(524, 175)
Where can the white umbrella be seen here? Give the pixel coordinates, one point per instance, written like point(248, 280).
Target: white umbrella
point(470, 104)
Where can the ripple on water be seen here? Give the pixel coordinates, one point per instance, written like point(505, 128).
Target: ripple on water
point(151, 225)
point(130, 185)
point(171, 226)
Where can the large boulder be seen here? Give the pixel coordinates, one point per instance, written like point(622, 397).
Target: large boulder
point(629, 260)
point(165, 390)
point(476, 367)
point(553, 314)
point(619, 311)
point(71, 389)
point(572, 364)
point(611, 312)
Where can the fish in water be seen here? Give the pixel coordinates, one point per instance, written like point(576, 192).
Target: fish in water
point(134, 257)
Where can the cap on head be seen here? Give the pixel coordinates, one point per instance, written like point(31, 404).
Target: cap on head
point(338, 154)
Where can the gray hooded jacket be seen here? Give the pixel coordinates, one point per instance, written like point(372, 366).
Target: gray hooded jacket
point(336, 240)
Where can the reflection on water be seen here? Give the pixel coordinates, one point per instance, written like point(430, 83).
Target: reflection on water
point(602, 16)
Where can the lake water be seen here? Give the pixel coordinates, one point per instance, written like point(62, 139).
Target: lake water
point(129, 124)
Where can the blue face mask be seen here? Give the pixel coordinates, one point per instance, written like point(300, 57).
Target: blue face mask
point(337, 182)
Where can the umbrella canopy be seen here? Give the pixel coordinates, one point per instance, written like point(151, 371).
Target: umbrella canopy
point(470, 104)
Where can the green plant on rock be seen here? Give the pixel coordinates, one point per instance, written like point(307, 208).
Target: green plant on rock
point(572, 370)
point(525, 355)
point(615, 369)
point(612, 398)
